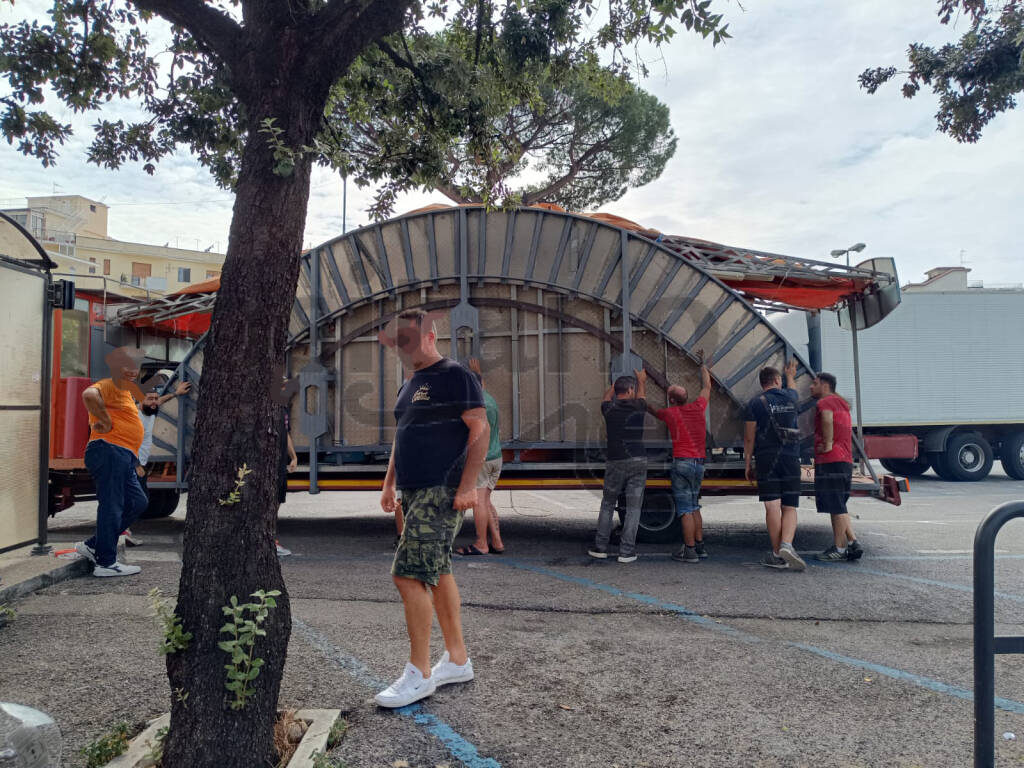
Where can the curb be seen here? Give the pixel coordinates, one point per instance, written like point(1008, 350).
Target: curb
point(56, 575)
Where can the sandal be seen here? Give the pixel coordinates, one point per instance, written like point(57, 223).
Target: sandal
point(497, 551)
point(469, 550)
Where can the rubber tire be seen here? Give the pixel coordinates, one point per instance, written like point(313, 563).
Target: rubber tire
point(1011, 455)
point(658, 521)
point(907, 467)
point(950, 467)
point(162, 503)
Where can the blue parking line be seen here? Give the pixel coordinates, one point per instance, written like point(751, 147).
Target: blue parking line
point(938, 686)
point(460, 748)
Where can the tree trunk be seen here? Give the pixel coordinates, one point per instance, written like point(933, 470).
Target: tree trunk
point(229, 549)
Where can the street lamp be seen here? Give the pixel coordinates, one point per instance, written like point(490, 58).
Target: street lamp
point(840, 252)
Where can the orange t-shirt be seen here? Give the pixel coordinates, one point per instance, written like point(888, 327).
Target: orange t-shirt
point(126, 426)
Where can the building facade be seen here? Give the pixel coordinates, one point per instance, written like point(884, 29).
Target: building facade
point(73, 230)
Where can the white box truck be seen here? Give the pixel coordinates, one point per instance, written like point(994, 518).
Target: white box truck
point(942, 375)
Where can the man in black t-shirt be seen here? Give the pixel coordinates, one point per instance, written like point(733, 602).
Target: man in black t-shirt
point(624, 409)
point(771, 439)
point(440, 443)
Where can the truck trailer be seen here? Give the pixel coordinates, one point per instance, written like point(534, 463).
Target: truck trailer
point(555, 305)
point(938, 379)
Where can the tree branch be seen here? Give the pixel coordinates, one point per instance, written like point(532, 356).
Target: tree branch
point(344, 28)
point(215, 31)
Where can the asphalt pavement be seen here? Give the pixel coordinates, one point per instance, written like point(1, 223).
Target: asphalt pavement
point(588, 663)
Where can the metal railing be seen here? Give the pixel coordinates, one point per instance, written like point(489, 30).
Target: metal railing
point(986, 644)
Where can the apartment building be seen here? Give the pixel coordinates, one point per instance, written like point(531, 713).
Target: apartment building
point(73, 230)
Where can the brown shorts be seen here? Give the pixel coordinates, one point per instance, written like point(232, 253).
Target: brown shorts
point(431, 524)
point(489, 473)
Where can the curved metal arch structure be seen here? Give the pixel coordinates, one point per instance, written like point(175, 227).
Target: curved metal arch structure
point(646, 284)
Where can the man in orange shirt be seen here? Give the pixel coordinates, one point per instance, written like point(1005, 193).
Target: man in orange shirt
point(115, 436)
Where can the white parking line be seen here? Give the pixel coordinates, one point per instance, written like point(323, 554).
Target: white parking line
point(956, 551)
point(549, 499)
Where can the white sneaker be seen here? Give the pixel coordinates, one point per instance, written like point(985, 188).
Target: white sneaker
point(410, 687)
point(793, 560)
point(627, 558)
point(281, 551)
point(444, 672)
point(86, 551)
point(115, 569)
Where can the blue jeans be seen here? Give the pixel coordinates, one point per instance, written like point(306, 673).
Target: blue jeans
point(687, 475)
point(121, 498)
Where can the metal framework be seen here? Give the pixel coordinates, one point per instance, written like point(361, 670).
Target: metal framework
point(670, 287)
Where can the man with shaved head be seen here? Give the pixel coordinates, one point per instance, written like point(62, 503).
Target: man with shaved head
point(687, 426)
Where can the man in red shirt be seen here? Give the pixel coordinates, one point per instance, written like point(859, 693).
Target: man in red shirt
point(687, 427)
point(833, 466)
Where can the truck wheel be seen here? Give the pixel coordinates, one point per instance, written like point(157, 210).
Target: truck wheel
point(1012, 455)
point(907, 467)
point(968, 457)
point(658, 521)
point(162, 503)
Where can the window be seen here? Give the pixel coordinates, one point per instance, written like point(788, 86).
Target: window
point(106, 266)
point(140, 271)
point(184, 275)
point(92, 270)
point(74, 343)
point(92, 208)
point(210, 274)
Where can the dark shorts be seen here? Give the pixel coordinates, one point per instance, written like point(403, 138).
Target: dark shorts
point(832, 486)
point(431, 525)
point(778, 477)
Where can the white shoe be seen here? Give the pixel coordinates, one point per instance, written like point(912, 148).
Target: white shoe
point(115, 569)
point(444, 672)
point(627, 558)
point(793, 560)
point(410, 687)
point(86, 551)
point(281, 551)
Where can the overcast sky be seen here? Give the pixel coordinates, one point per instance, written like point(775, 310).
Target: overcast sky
point(779, 150)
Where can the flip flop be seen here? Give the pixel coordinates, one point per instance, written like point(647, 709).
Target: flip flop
point(470, 550)
point(497, 551)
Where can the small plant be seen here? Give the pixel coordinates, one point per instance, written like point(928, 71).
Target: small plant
point(175, 637)
point(156, 747)
point(244, 666)
point(6, 613)
point(181, 695)
point(105, 748)
point(320, 760)
point(338, 731)
point(236, 495)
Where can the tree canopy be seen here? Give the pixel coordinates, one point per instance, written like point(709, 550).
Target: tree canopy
point(575, 133)
point(977, 77)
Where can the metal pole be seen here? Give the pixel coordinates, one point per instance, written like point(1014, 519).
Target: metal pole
point(986, 645)
point(856, 370)
point(344, 202)
point(314, 355)
point(814, 340)
point(42, 547)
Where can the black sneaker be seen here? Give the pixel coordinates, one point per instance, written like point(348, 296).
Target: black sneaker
point(854, 551)
point(598, 554)
point(686, 555)
point(832, 554)
point(701, 552)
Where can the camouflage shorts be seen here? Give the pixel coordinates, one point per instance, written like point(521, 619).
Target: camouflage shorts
point(431, 525)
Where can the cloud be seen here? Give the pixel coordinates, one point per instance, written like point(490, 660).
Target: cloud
point(779, 150)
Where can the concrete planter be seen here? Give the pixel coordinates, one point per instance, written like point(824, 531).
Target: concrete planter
point(320, 722)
